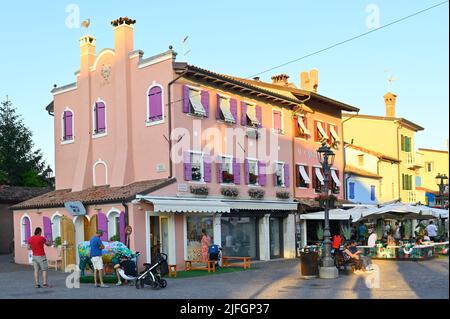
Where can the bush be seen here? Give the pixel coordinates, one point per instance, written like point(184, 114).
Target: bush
point(57, 241)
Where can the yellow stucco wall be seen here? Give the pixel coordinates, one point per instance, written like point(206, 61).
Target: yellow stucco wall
point(440, 163)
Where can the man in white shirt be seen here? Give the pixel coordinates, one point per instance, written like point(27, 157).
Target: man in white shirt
point(432, 231)
point(373, 237)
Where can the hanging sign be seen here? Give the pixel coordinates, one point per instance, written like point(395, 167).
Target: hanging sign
point(75, 208)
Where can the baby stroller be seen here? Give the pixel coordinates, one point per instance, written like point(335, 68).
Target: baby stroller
point(154, 273)
point(214, 254)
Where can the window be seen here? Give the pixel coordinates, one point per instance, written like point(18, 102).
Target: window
point(195, 102)
point(226, 109)
point(67, 126)
point(318, 179)
point(372, 192)
point(99, 118)
point(225, 170)
point(155, 110)
point(320, 134)
point(240, 236)
point(56, 227)
point(251, 115)
point(418, 181)
point(252, 172)
point(279, 175)
point(405, 143)
point(351, 190)
point(429, 167)
point(25, 227)
point(278, 122)
point(302, 127)
point(194, 227)
point(114, 226)
point(335, 183)
point(197, 167)
point(303, 179)
point(407, 182)
point(361, 159)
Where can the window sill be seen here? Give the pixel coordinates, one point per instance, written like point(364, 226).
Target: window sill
point(99, 135)
point(226, 122)
point(227, 184)
point(197, 116)
point(254, 185)
point(298, 187)
point(282, 132)
point(197, 183)
point(66, 142)
point(153, 123)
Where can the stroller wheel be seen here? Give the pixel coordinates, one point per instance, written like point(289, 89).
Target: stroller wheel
point(163, 283)
point(154, 285)
point(137, 284)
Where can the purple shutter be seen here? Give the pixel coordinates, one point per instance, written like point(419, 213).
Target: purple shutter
point(247, 172)
point(233, 109)
point(205, 101)
point(275, 177)
point(207, 169)
point(287, 179)
point(259, 115)
point(122, 227)
point(187, 166)
point(186, 101)
point(68, 127)
point(261, 173)
point(101, 117)
point(243, 113)
point(48, 234)
point(236, 171)
point(102, 223)
point(219, 170)
point(277, 120)
point(218, 110)
point(155, 104)
point(27, 224)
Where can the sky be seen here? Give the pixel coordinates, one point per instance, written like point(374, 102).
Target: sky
point(40, 47)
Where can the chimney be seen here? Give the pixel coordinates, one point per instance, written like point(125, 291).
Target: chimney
point(123, 35)
point(309, 81)
point(389, 100)
point(280, 79)
point(87, 53)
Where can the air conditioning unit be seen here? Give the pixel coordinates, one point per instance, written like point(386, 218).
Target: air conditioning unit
point(252, 133)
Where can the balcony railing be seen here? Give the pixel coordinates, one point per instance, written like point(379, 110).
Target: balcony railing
point(414, 161)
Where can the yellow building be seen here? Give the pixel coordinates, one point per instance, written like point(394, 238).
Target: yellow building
point(435, 162)
point(394, 137)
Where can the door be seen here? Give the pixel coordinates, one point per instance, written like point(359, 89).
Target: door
point(68, 238)
point(92, 227)
point(164, 233)
point(276, 237)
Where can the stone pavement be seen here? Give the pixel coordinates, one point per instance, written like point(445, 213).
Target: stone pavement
point(275, 279)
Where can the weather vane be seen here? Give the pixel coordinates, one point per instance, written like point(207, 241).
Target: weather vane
point(390, 79)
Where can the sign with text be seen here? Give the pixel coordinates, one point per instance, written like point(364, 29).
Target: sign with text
point(75, 208)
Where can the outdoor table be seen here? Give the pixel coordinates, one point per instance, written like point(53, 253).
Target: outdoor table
point(404, 252)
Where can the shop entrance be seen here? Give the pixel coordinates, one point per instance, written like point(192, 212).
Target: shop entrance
point(159, 236)
point(276, 237)
point(68, 240)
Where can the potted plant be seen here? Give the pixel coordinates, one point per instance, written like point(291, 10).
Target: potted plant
point(346, 232)
point(256, 193)
point(227, 178)
point(57, 242)
point(230, 192)
point(323, 198)
point(200, 190)
point(253, 178)
point(283, 195)
point(115, 238)
point(319, 232)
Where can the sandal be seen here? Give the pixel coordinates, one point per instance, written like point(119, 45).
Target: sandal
point(47, 286)
point(37, 286)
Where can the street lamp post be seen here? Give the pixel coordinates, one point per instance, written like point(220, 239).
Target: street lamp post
point(442, 183)
point(326, 158)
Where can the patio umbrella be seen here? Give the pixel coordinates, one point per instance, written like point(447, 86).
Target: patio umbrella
point(397, 211)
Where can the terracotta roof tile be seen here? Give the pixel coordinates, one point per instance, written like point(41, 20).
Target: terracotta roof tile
point(94, 195)
point(17, 194)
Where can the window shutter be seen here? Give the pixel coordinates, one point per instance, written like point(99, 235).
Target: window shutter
point(68, 127)
point(296, 127)
point(277, 120)
point(275, 179)
point(316, 132)
point(247, 172)
point(218, 110)
point(236, 171)
point(186, 100)
point(101, 117)
point(187, 166)
point(243, 113)
point(207, 169)
point(48, 233)
point(233, 109)
point(352, 190)
point(402, 143)
point(261, 173)
point(313, 177)
point(205, 101)
point(155, 104)
point(219, 169)
point(27, 223)
point(102, 223)
point(287, 176)
point(372, 192)
point(122, 227)
point(259, 116)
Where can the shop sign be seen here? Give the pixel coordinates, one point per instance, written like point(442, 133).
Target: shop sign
point(75, 208)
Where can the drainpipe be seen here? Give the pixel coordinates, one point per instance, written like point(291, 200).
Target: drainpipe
point(398, 157)
point(169, 115)
point(345, 158)
point(125, 205)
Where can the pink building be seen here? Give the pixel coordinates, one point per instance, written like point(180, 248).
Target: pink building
point(171, 149)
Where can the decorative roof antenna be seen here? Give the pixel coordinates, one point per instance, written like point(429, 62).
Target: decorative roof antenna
point(185, 45)
point(86, 24)
point(390, 79)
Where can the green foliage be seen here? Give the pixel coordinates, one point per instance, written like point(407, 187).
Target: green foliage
point(346, 232)
point(407, 229)
point(115, 238)
point(57, 241)
point(20, 164)
point(380, 228)
point(320, 231)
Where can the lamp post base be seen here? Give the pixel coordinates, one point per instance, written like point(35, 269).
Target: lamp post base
point(328, 272)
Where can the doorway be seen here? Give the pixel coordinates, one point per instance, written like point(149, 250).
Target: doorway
point(276, 237)
point(159, 236)
point(82, 231)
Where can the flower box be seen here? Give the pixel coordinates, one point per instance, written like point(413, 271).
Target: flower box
point(283, 195)
point(200, 190)
point(256, 193)
point(230, 192)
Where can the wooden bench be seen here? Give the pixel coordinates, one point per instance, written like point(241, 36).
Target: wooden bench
point(210, 265)
point(245, 262)
point(173, 271)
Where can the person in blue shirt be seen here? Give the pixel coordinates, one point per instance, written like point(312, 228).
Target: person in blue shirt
point(362, 230)
point(97, 259)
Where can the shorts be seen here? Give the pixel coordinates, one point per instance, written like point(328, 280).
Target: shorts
point(40, 263)
point(97, 262)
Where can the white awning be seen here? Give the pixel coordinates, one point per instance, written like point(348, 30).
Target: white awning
point(302, 125)
point(334, 133)
point(196, 103)
point(251, 113)
point(184, 205)
point(226, 110)
point(304, 174)
point(322, 131)
point(319, 175)
point(335, 178)
point(262, 205)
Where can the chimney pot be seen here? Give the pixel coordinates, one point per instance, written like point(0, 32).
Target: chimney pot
point(310, 80)
point(390, 101)
point(280, 79)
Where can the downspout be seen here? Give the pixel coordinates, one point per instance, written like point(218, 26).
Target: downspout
point(398, 157)
point(169, 115)
point(345, 161)
point(127, 223)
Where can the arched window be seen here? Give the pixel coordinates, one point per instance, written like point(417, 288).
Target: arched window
point(114, 225)
point(67, 125)
point(25, 229)
point(155, 111)
point(100, 117)
point(56, 227)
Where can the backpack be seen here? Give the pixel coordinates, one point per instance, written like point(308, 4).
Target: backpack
point(214, 249)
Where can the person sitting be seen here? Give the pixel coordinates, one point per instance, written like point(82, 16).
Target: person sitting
point(391, 240)
point(122, 262)
point(351, 256)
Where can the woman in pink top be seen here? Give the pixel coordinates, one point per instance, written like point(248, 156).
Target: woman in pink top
point(206, 242)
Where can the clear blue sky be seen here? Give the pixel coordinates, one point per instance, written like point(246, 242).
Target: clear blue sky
point(243, 38)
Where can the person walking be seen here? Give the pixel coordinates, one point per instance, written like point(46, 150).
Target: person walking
point(97, 258)
point(36, 245)
point(432, 231)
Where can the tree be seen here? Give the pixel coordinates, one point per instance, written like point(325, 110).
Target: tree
point(20, 165)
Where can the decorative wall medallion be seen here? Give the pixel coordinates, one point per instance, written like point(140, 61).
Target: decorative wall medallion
point(106, 73)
